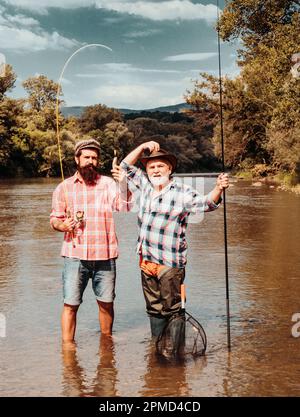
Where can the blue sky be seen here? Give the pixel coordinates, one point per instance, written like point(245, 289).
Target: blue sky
point(158, 47)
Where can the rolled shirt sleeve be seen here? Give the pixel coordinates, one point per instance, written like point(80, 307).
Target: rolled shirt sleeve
point(123, 200)
point(135, 176)
point(58, 210)
point(196, 203)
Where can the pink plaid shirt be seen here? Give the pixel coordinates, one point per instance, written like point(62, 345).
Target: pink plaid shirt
point(94, 238)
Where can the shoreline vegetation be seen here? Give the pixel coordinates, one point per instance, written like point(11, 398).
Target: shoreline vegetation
point(261, 111)
point(282, 181)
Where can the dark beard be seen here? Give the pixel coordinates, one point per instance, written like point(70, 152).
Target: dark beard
point(89, 173)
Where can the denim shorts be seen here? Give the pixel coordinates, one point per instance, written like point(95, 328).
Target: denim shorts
point(76, 274)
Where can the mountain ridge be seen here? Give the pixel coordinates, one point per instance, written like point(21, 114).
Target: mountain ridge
point(175, 108)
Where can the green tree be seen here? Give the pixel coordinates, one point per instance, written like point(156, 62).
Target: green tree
point(115, 136)
point(10, 155)
point(283, 132)
point(97, 117)
point(254, 22)
point(7, 81)
point(183, 136)
point(42, 101)
point(10, 111)
point(258, 103)
point(42, 92)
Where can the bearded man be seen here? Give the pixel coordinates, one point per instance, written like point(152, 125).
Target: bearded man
point(82, 208)
point(164, 207)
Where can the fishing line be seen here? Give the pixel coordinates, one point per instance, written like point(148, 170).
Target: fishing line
point(223, 169)
point(57, 105)
point(68, 212)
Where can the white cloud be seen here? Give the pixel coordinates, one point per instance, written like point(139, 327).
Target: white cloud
point(163, 10)
point(128, 92)
point(114, 20)
point(134, 96)
point(123, 67)
point(67, 4)
point(142, 33)
point(22, 20)
point(41, 6)
point(201, 56)
point(66, 81)
point(22, 34)
point(2, 65)
point(23, 40)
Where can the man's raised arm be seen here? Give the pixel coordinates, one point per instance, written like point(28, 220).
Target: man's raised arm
point(133, 156)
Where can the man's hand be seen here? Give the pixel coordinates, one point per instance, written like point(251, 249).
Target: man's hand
point(134, 155)
point(223, 181)
point(69, 224)
point(118, 173)
point(151, 146)
point(64, 226)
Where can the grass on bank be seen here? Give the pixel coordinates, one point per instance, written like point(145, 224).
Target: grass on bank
point(285, 180)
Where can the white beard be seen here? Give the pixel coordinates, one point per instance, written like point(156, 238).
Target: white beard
point(157, 181)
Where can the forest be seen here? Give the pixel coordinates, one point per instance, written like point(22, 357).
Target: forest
point(260, 109)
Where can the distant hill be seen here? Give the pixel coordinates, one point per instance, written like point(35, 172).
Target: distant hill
point(176, 108)
point(72, 111)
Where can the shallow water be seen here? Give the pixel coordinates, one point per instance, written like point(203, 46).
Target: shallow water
point(264, 265)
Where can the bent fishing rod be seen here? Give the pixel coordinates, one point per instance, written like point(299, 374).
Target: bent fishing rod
point(58, 92)
point(223, 169)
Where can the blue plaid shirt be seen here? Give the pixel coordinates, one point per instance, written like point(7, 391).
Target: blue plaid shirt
point(163, 219)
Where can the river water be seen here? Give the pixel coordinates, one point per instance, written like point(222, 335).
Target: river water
point(264, 265)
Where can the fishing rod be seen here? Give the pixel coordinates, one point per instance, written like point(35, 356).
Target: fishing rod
point(58, 92)
point(223, 169)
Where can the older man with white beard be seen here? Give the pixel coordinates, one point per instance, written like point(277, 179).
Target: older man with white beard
point(164, 207)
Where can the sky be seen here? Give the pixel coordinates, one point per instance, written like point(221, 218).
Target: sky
point(153, 49)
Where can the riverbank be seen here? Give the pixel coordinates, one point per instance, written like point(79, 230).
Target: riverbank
point(282, 180)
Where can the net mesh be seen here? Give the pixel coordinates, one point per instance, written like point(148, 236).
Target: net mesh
point(183, 335)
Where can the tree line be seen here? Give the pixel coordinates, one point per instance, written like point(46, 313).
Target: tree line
point(260, 109)
point(261, 106)
point(29, 142)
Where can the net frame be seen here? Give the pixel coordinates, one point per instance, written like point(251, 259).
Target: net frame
point(182, 335)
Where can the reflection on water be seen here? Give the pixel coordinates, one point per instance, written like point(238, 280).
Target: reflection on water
point(168, 378)
point(73, 373)
point(163, 378)
point(75, 383)
point(264, 264)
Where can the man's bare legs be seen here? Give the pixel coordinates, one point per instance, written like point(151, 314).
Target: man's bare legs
point(106, 317)
point(69, 314)
point(68, 322)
